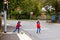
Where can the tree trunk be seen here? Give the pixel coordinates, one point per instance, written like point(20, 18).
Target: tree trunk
point(56, 11)
point(0, 22)
point(0, 27)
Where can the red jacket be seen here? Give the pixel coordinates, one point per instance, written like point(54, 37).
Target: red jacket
point(38, 25)
point(18, 25)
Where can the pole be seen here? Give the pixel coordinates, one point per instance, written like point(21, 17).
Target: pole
point(5, 14)
point(5, 27)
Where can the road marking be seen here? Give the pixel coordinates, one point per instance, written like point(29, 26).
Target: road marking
point(35, 29)
point(9, 33)
point(23, 36)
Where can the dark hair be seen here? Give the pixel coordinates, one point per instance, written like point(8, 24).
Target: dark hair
point(38, 22)
point(19, 22)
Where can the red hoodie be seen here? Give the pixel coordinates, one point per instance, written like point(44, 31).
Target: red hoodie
point(38, 25)
point(18, 25)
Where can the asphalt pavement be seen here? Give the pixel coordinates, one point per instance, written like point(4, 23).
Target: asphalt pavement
point(49, 31)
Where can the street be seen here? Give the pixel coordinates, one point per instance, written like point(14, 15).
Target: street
point(49, 31)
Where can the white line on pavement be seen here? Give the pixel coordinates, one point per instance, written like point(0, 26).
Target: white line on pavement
point(23, 36)
point(41, 29)
point(9, 33)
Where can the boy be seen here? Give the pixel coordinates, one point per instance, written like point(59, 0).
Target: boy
point(38, 26)
point(18, 26)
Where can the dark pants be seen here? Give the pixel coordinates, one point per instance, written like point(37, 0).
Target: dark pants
point(16, 29)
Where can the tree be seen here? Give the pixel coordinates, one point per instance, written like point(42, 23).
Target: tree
point(1, 5)
point(56, 5)
point(26, 6)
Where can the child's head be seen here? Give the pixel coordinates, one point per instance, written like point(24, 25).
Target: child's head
point(19, 22)
point(38, 19)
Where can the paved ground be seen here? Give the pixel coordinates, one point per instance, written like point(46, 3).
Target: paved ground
point(49, 31)
point(9, 37)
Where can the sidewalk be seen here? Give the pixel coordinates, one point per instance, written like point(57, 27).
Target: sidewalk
point(10, 35)
point(15, 36)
